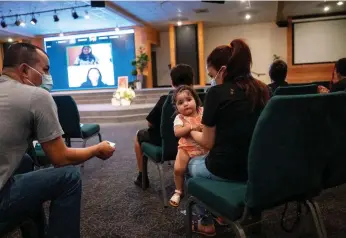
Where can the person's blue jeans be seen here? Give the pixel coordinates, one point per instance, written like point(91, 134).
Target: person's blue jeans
point(23, 195)
point(198, 169)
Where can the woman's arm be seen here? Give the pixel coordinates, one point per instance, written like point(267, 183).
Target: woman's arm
point(206, 138)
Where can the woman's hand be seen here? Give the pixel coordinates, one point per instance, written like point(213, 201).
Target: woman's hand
point(197, 128)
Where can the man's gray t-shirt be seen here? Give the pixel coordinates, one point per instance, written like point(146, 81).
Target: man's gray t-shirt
point(26, 113)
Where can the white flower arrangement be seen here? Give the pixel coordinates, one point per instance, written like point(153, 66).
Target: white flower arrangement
point(123, 96)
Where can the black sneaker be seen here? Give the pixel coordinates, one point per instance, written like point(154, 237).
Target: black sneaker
point(138, 181)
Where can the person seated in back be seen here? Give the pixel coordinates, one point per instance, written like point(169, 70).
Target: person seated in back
point(181, 74)
point(190, 112)
point(338, 82)
point(277, 73)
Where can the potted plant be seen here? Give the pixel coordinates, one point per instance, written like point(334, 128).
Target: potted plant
point(141, 62)
point(123, 97)
point(138, 83)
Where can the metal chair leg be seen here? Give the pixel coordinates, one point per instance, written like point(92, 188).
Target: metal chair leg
point(240, 233)
point(320, 218)
point(188, 218)
point(315, 219)
point(163, 187)
point(100, 137)
point(144, 172)
point(84, 145)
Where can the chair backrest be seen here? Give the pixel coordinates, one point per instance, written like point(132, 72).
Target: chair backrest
point(287, 155)
point(202, 97)
point(68, 116)
point(169, 141)
point(335, 173)
point(296, 90)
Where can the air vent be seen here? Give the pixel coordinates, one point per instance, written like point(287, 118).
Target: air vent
point(201, 10)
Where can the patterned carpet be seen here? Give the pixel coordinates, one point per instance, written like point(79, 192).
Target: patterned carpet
point(113, 207)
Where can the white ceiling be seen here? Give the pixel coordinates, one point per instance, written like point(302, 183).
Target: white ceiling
point(157, 13)
point(100, 18)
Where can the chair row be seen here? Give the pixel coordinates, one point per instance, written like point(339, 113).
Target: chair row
point(297, 150)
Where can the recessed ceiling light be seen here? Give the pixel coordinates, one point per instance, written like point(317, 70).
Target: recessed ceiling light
point(10, 40)
point(340, 3)
point(326, 8)
point(247, 16)
point(242, 0)
point(86, 16)
point(179, 23)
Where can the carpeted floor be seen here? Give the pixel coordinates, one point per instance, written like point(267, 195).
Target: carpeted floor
point(113, 207)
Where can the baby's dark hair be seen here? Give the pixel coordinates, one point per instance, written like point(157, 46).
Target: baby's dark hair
point(193, 93)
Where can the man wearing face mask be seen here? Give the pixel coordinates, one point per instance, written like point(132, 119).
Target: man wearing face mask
point(28, 112)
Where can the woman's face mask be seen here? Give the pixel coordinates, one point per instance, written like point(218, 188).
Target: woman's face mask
point(218, 77)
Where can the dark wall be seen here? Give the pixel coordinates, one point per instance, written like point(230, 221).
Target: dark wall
point(186, 47)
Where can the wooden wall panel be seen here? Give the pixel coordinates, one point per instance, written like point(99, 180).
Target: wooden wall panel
point(171, 33)
point(146, 37)
point(201, 59)
point(305, 73)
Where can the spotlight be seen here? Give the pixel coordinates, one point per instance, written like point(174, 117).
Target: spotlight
point(33, 20)
point(10, 40)
point(3, 23)
point(326, 8)
point(340, 3)
point(22, 24)
point(86, 16)
point(116, 29)
point(74, 14)
point(61, 34)
point(179, 23)
point(247, 16)
point(55, 17)
point(17, 22)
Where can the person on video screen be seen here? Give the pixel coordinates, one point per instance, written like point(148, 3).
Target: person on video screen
point(94, 79)
point(86, 57)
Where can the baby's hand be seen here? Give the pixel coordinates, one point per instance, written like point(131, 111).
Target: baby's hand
point(322, 89)
point(197, 128)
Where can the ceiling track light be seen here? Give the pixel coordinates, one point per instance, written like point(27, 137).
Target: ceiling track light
point(74, 14)
point(179, 23)
point(340, 3)
point(33, 20)
point(17, 22)
point(3, 23)
point(55, 17)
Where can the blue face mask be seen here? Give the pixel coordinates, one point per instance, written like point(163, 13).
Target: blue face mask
point(47, 80)
point(212, 82)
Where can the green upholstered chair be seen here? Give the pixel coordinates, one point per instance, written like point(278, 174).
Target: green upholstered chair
point(157, 154)
point(70, 121)
point(286, 162)
point(296, 90)
point(336, 155)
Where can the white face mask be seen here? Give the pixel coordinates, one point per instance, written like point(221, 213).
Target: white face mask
point(47, 80)
point(213, 80)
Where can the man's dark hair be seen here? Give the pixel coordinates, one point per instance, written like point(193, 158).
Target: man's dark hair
point(20, 53)
point(182, 74)
point(278, 71)
point(340, 66)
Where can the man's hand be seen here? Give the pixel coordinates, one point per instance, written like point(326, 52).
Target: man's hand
point(322, 89)
point(104, 150)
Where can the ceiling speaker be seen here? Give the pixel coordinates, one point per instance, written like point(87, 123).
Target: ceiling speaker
point(98, 3)
point(217, 2)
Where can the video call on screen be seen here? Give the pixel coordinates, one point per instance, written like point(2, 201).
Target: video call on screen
point(90, 62)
